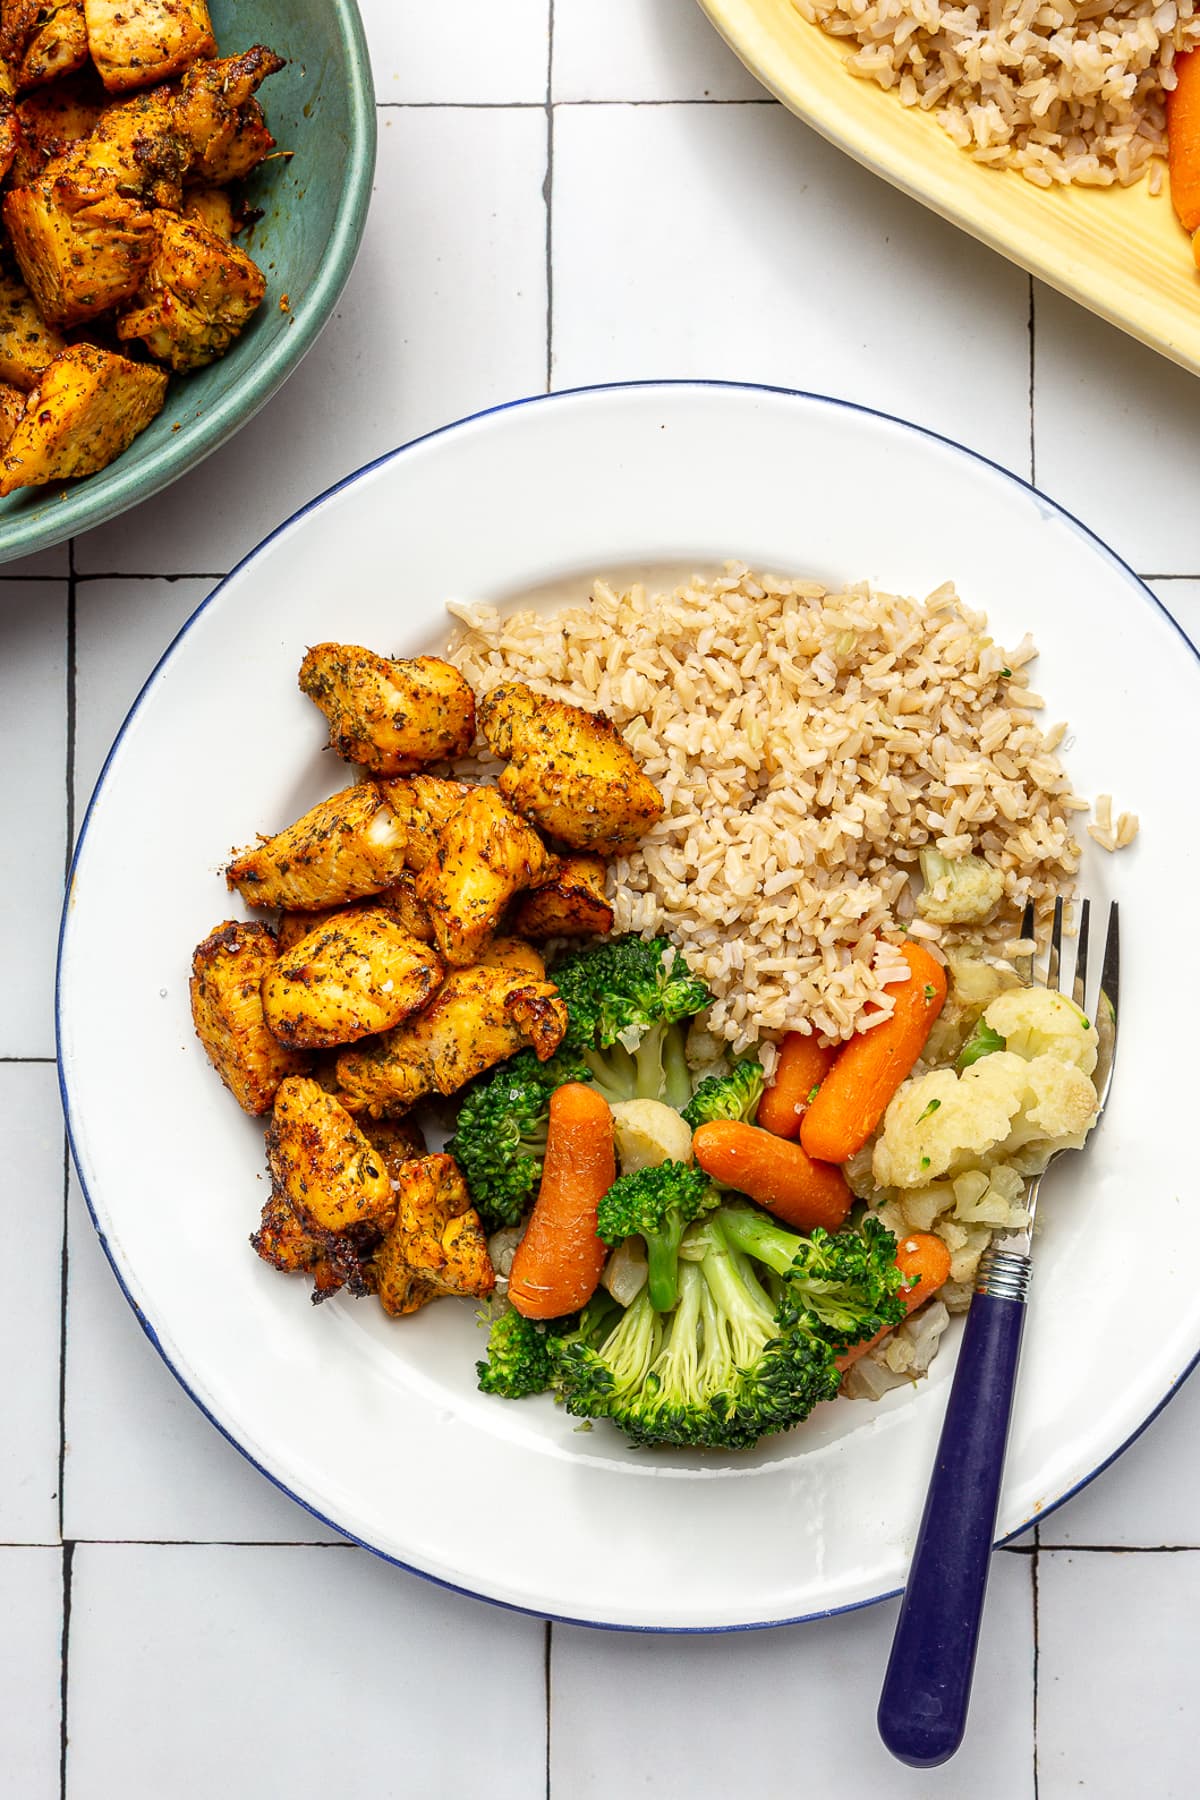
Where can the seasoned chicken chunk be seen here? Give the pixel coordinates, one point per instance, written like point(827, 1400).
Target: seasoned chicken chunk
point(27, 346)
point(572, 904)
point(352, 976)
point(437, 1244)
point(477, 1017)
point(213, 208)
point(345, 847)
point(199, 294)
point(569, 771)
point(322, 1162)
point(10, 137)
point(12, 408)
point(292, 1242)
point(135, 42)
point(42, 39)
point(485, 854)
point(88, 406)
point(422, 803)
point(50, 120)
point(401, 901)
point(391, 717)
point(236, 148)
point(218, 118)
point(226, 989)
point(397, 1141)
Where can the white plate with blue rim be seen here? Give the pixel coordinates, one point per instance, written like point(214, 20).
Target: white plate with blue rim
point(376, 1425)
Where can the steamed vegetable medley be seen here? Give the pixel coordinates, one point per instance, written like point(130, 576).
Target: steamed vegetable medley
point(688, 1246)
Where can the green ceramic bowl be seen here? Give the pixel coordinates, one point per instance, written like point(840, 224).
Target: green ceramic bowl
point(322, 108)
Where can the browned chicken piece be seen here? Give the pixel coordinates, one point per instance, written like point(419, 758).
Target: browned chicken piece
point(477, 1017)
point(401, 901)
point(398, 1141)
point(226, 989)
point(213, 208)
point(10, 137)
point(88, 406)
point(148, 40)
point(41, 40)
point(322, 1162)
point(344, 848)
point(12, 407)
point(569, 771)
point(199, 294)
point(437, 1245)
point(235, 151)
point(27, 346)
point(51, 119)
point(289, 1240)
point(390, 717)
point(84, 232)
point(485, 854)
point(573, 904)
point(353, 976)
point(423, 803)
point(216, 114)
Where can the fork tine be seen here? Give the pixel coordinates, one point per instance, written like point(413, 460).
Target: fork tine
point(1110, 973)
point(1024, 964)
point(1079, 985)
point(1054, 960)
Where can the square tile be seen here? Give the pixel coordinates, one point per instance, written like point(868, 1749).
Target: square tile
point(1150, 1495)
point(737, 261)
point(1116, 1675)
point(30, 1321)
point(1182, 601)
point(611, 1693)
point(122, 627)
point(474, 51)
point(246, 1672)
point(33, 806)
point(142, 1461)
point(445, 313)
point(644, 50)
point(1115, 437)
point(30, 1673)
point(54, 563)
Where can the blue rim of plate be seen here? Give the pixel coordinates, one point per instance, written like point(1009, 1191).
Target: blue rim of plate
point(666, 386)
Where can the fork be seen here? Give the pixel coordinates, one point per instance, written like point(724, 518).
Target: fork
point(927, 1687)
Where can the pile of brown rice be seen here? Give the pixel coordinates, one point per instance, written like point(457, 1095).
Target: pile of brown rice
point(1061, 92)
point(807, 745)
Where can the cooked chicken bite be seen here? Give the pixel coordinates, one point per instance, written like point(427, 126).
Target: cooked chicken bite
point(51, 119)
point(398, 1141)
point(27, 346)
point(213, 208)
point(477, 1017)
point(290, 1241)
point(235, 149)
point(42, 39)
point(10, 136)
point(422, 803)
point(342, 849)
point(133, 44)
point(352, 976)
point(437, 1244)
point(198, 295)
point(226, 990)
point(88, 406)
point(322, 1162)
point(573, 904)
point(485, 854)
point(401, 901)
point(569, 771)
point(389, 716)
point(12, 409)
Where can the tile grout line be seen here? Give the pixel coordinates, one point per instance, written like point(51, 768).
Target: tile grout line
point(1033, 1576)
point(547, 1660)
point(64, 1261)
point(68, 1559)
point(548, 194)
point(536, 105)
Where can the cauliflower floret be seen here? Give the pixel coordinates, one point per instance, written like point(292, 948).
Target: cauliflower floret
point(959, 890)
point(943, 1124)
point(1036, 1021)
point(649, 1132)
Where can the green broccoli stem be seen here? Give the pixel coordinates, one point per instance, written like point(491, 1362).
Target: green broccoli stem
point(745, 1308)
point(756, 1235)
point(662, 1262)
point(632, 1346)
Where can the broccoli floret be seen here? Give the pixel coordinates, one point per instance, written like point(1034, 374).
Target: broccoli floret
point(751, 1345)
point(521, 1357)
point(500, 1135)
point(732, 1096)
point(627, 998)
point(656, 1204)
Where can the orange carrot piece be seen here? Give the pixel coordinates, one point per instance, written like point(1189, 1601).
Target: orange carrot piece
point(557, 1264)
point(780, 1176)
point(1183, 140)
point(802, 1066)
point(869, 1069)
point(920, 1255)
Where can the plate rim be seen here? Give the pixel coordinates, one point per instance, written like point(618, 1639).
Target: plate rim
point(668, 385)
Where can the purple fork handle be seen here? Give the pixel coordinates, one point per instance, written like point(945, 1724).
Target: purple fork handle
point(927, 1688)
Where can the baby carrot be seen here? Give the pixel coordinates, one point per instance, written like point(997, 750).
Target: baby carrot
point(780, 1176)
point(557, 1264)
point(869, 1069)
point(801, 1068)
point(920, 1255)
point(1183, 140)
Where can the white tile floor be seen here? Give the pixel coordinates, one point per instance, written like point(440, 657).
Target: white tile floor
point(216, 1645)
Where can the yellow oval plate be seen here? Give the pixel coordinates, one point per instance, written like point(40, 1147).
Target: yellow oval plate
point(1118, 251)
